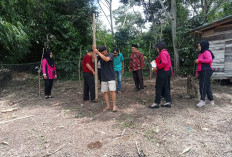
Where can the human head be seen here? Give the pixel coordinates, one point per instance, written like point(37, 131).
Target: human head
point(160, 46)
point(103, 49)
point(134, 47)
point(203, 45)
point(48, 54)
point(115, 51)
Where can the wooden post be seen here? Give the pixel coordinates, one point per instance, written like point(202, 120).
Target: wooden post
point(96, 71)
point(79, 66)
point(150, 70)
point(40, 70)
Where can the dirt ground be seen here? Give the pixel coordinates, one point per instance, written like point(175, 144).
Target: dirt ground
point(67, 127)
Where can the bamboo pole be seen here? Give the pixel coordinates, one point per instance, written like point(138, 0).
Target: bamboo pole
point(39, 71)
point(150, 70)
point(79, 66)
point(96, 70)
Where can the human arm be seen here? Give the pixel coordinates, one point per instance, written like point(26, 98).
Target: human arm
point(90, 68)
point(142, 61)
point(122, 59)
point(164, 62)
point(106, 59)
point(207, 57)
point(44, 63)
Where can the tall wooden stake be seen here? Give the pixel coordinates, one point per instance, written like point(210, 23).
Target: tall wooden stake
point(40, 70)
point(150, 60)
point(96, 71)
point(79, 66)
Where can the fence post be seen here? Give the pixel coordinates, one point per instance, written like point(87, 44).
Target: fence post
point(96, 70)
point(40, 70)
point(150, 60)
point(79, 66)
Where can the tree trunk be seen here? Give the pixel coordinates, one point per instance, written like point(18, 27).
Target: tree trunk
point(174, 40)
point(111, 20)
point(95, 58)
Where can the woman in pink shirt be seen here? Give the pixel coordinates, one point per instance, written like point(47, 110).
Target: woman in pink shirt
point(164, 72)
point(204, 72)
point(49, 73)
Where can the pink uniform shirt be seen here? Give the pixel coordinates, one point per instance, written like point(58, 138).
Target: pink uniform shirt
point(48, 70)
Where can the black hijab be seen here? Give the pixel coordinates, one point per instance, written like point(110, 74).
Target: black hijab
point(205, 46)
point(47, 57)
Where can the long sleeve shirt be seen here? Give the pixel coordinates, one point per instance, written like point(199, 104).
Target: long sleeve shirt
point(205, 60)
point(136, 61)
point(48, 70)
point(163, 61)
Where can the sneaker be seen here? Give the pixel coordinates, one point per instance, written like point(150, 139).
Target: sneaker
point(153, 106)
point(201, 103)
point(211, 102)
point(50, 97)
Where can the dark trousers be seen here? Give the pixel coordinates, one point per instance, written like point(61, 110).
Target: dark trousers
point(99, 74)
point(89, 86)
point(162, 87)
point(204, 84)
point(163, 92)
point(138, 79)
point(48, 86)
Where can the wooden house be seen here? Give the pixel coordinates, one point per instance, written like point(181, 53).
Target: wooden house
point(219, 35)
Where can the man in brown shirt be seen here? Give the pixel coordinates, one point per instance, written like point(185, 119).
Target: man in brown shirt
point(136, 66)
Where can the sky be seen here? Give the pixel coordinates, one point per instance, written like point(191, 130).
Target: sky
point(115, 5)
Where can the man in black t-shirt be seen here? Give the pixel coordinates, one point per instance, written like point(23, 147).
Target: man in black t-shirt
point(108, 82)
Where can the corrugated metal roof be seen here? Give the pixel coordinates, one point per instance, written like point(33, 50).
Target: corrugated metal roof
point(212, 24)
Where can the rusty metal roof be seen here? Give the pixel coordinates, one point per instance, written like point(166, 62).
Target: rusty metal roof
point(225, 20)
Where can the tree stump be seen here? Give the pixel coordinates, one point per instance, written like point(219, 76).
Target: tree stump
point(192, 87)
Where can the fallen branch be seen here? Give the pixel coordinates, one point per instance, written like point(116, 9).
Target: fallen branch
point(123, 132)
point(7, 121)
point(49, 154)
point(4, 143)
point(9, 110)
point(140, 152)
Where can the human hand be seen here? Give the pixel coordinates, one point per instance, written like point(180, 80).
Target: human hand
point(154, 69)
point(93, 73)
point(45, 76)
point(129, 70)
point(55, 76)
point(94, 49)
point(196, 61)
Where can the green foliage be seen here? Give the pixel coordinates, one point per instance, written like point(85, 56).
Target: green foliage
point(25, 25)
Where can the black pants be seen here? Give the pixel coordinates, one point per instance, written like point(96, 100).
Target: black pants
point(89, 86)
point(99, 74)
point(169, 86)
point(163, 87)
point(48, 86)
point(204, 84)
point(138, 79)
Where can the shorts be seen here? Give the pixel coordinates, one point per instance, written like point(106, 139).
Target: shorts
point(108, 86)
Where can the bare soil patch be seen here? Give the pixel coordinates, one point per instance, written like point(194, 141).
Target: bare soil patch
point(68, 127)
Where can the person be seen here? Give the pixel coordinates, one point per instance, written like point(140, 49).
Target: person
point(88, 75)
point(108, 82)
point(99, 70)
point(118, 67)
point(164, 72)
point(49, 73)
point(136, 65)
point(204, 72)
